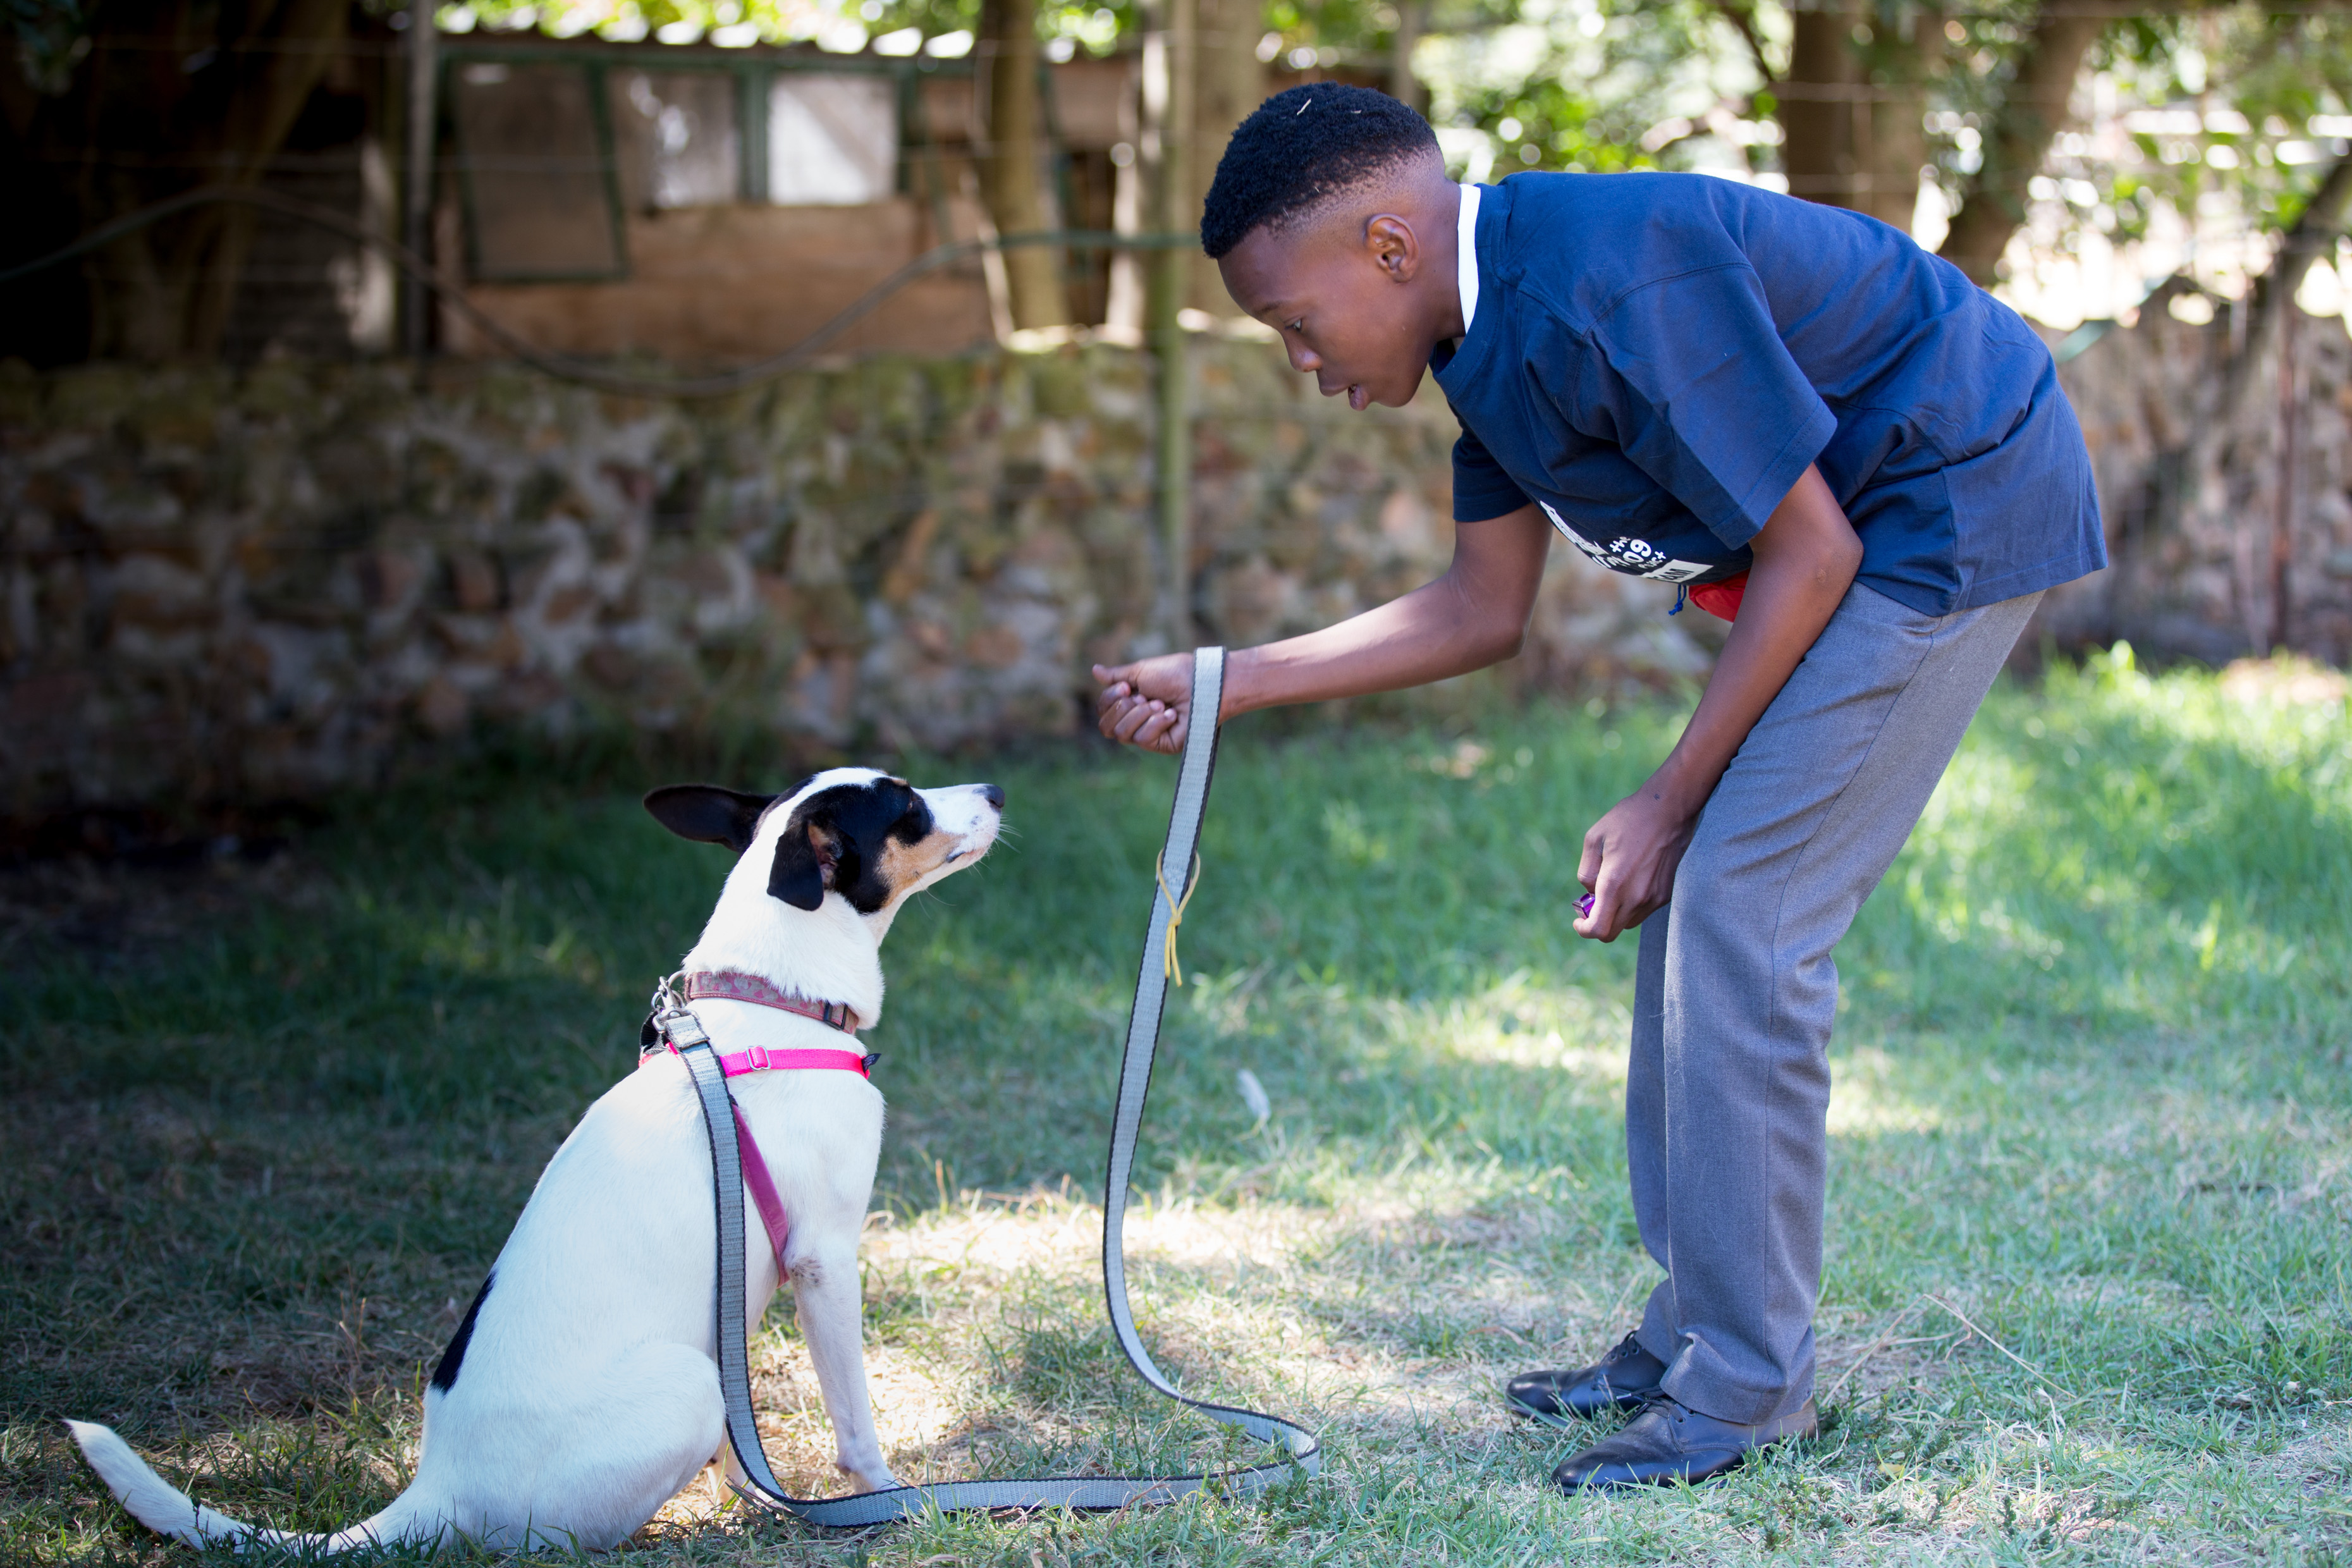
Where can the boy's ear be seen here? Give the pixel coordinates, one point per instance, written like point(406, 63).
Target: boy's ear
point(808, 855)
point(1395, 245)
point(708, 814)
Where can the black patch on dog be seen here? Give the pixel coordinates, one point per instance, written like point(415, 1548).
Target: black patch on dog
point(708, 814)
point(834, 840)
point(444, 1375)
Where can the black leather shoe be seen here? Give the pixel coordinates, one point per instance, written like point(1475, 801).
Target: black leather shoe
point(1621, 1380)
point(1666, 1444)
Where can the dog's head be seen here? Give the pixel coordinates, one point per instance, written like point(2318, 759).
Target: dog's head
point(866, 835)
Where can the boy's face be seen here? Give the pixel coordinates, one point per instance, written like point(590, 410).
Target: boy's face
point(1352, 297)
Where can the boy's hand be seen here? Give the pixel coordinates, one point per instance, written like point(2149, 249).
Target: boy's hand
point(1630, 859)
point(1466, 620)
point(1148, 703)
point(1806, 555)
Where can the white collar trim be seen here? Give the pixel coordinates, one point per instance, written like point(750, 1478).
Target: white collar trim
point(1466, 247)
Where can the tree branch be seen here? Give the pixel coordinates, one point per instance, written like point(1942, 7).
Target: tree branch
point(2315, 232)
point(1742, 17)
point(1993, 204)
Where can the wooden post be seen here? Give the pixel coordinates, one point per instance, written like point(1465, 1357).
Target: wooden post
point(1819, 100)
point(1009, 174)
point(1412, 20)
point(2282, 517)
point(417, 198)
point(1168, 53)
point(1228, 84)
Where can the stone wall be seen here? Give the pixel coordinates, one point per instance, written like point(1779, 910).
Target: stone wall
point(257, 585)
point(218, 585)
point(2192, 524)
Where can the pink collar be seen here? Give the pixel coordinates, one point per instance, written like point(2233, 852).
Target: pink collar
point(734, 985)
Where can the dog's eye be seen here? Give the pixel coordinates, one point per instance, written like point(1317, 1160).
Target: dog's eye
point(915, 823)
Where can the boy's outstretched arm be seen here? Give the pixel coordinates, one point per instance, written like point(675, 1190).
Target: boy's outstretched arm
point(1473, 616)
point(1805, 559)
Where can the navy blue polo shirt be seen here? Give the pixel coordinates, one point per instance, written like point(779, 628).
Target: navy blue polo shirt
point(1655, 360)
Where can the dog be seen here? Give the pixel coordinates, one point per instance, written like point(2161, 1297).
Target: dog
point(580, 1392)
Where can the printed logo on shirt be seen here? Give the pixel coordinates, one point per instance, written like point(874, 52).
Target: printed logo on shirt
point(1637, 557)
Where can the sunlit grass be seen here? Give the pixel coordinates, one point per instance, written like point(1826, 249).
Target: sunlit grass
point(2091, 1100)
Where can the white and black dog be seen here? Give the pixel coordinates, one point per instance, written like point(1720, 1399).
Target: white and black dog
point(580, 1392)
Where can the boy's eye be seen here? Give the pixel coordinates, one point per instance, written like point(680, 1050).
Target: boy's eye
point(1296, 326)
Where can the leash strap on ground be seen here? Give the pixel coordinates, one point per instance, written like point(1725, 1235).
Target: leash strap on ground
point(694, 1049)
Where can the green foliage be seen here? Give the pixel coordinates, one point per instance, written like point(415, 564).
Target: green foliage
point(1554, 121)
point(843, 24)
point(2246, 85)
point(51, 35)
point(1586, 85)
point(1357, 31)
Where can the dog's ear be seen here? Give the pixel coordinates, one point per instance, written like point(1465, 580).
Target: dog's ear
point(708, 814)
point(833, 839)
point(808, 857)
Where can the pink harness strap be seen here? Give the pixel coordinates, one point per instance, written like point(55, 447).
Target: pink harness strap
point(764, 1196)
point(760, 1059)
point(756, 1175)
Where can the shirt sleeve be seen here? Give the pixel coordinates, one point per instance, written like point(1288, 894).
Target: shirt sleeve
point(1481, 489)
point(1693, 383)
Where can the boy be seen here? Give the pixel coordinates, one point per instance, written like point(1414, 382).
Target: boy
point(1838, 442)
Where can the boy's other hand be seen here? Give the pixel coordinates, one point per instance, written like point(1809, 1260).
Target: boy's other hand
point(1806, 556)
point(1148, 703)
point(1629, 863)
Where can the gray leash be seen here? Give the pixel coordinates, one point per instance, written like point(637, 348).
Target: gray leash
point(1134, 1080)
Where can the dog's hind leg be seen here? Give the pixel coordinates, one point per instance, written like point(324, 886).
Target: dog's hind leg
point(637, 1435)
point(825, 1280)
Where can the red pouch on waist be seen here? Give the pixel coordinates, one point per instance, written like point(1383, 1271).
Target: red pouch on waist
point(1721, 600)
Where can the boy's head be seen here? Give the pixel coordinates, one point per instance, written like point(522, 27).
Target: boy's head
point(1332, 220)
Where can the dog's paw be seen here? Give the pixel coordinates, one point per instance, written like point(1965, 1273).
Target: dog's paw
point(870, 1478)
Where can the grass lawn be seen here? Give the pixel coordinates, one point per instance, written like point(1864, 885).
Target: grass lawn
point(266, 1123)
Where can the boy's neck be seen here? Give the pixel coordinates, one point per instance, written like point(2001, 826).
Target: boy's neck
point(1439, 224)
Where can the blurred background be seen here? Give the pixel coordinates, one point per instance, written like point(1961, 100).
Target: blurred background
point(354, 432)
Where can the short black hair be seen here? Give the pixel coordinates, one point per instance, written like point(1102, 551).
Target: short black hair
point(1302, 145)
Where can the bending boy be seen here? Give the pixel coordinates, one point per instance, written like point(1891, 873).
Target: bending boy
point(1835, 439)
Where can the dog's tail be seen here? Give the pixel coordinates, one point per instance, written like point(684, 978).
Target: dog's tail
point(155, 1503)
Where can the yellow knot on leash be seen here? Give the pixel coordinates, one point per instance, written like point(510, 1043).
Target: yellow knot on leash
point(1168, 965)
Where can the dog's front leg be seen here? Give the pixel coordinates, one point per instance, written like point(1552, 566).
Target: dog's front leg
point(826, 1283)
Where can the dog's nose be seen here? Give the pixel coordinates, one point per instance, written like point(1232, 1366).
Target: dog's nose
point(994, 796)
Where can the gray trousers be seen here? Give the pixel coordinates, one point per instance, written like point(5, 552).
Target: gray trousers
point(1727, 1092)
